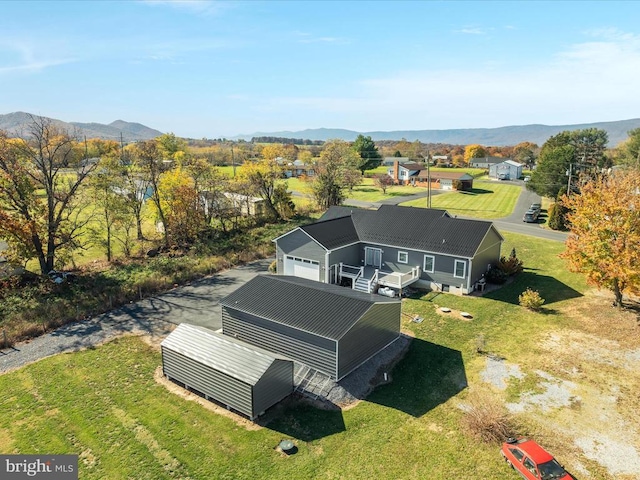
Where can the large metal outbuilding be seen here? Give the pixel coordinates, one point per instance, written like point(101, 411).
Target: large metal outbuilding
point(242, 377)
point(329, 328)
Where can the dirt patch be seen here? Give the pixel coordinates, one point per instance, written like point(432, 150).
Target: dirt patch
point(556, 393)
point(192, 397)
point(587, 390)
point(498, 372)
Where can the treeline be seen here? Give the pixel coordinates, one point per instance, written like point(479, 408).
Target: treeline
point(286, 141)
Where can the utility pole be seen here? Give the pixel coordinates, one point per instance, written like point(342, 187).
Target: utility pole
point(569, 181)
point(428, 181)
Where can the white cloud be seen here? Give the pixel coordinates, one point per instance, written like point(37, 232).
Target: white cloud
point(471, 31)
point(28, 59)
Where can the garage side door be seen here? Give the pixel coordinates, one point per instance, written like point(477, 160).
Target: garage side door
point(302, 267)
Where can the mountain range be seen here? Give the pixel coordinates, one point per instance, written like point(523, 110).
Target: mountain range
point(500, 136)
point(14, 123)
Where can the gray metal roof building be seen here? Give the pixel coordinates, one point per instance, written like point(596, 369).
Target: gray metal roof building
point(329, 328)
point(242, 377)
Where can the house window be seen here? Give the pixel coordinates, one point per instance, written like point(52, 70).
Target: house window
point(403, 257)
point(429, 263)
point(460, 269)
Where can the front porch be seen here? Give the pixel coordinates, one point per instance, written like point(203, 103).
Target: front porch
point(368, 278)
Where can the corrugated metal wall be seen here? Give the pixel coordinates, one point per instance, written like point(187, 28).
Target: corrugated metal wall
point(375, 330)
point(275, 384)
point(312, 350)
point(217, 385)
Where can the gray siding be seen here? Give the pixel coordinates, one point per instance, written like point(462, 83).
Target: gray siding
point(443, 271)
point(375, 330)
point(312, 350)
point(299, 244)
point(275, 384)
point(215, 384)
point(488, 253)
point(349, 255)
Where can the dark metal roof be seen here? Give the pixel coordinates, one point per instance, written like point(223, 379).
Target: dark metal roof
point(220, 352)
point(424, 229)
point(333, 233)
point(334, 212)
point(322, 309)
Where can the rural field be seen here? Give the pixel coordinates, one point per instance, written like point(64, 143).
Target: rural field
point(568, 376)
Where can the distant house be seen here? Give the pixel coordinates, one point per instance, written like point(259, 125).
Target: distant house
point(417, 174)
point(297, 168)
point(391, 247)
point(233, 203)
point(485, 162)
point(389, 161)
point(506, 170)
point(330, 329)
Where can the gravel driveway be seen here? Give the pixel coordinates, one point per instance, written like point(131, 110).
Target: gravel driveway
point(196, 303)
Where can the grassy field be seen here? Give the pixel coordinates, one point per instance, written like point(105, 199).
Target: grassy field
point(485, 200)
point(105, 405)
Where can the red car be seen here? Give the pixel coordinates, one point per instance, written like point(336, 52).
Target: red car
point(532, 461)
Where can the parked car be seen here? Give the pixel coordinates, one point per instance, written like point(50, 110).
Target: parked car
point(527, 178)
point(532, 461)
point(536, 206)
point(530, 216)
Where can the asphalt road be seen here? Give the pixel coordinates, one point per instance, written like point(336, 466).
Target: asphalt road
point(197, 303)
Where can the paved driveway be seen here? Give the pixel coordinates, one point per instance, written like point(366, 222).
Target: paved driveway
point(197, 303)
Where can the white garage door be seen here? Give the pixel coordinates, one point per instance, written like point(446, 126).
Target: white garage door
point(302, 267)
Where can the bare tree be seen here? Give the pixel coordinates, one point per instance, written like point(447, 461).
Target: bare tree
point(39, 196)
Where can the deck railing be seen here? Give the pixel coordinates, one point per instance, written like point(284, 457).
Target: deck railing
point(397, 279)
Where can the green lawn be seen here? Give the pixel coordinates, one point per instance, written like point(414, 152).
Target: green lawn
point(485, 200)
point(104, 404)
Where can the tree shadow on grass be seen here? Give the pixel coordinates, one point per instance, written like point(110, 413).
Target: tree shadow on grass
point(475, 191)
point(549, 288)
point(426, 377)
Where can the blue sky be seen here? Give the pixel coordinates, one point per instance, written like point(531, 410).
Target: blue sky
point(211, 69)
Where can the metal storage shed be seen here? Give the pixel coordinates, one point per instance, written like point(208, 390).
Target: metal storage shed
point(329, 328)
point(242, 377)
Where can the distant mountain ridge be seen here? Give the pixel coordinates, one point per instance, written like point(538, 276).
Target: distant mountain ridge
point(501, 136)
point(15, 122)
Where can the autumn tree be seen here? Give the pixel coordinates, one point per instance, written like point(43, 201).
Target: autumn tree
point(106, 187)
point(149, 162)
point(39, 214)
point(474, 151)
point(383, 181)
point(179, 201)
point(369, 155)
point(604, 239)
point(337, 160)
point(171, 147)
point(264, 175)
point(525, 153)
point(628, 151)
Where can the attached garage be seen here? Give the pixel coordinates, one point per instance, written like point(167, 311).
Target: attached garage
point(329, 328)
point(242, 377)
point(302, 267)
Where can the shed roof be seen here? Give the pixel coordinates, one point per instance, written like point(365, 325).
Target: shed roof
point(220, 352)
point(423, 229)
point(318, 308)
point(512, 163)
